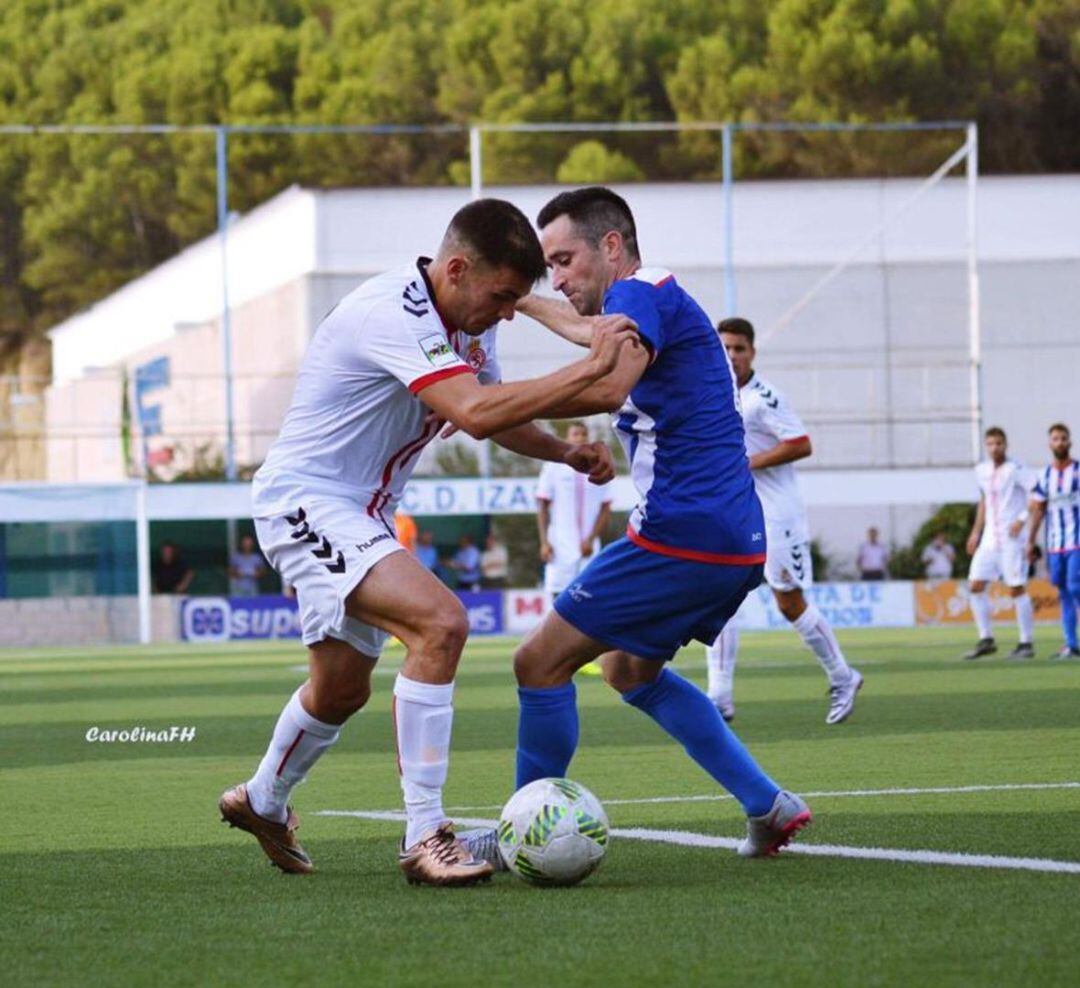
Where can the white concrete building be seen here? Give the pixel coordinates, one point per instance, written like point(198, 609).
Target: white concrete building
point(877, 363)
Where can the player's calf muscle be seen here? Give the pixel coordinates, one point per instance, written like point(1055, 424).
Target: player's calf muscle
point(335, 703)
point(339, 682)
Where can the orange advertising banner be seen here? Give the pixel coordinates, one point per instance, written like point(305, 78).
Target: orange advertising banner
point(946, 602)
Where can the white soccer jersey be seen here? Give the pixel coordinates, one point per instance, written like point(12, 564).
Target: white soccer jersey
point(357, 423)
point(1005, 493)
point(1059, 490)
point(574, 506)
point(770, 420)
point(575, 503)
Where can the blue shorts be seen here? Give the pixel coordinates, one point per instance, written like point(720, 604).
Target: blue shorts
point(651, 605)
point(1065, 570)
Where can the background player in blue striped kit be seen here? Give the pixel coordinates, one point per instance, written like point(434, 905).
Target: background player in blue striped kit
point(695, 544)
point(1056, 497)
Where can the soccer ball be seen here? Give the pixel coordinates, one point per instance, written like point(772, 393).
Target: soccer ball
point(553, 832)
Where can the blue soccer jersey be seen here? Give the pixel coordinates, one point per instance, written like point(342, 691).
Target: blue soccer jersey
point(683, 433)
point(1059, 490)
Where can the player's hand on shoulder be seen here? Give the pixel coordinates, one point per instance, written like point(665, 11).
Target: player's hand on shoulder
point(593, 459)
point(615, 322)
point(610, 335)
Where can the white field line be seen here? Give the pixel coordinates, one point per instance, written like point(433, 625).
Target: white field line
point(831, 794)
point(685, 838)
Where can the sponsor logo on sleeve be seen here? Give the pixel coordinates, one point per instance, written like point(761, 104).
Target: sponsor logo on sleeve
point(438, 351)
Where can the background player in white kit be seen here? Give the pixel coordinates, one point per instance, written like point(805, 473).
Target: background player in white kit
point(775, 439)
point(1056, 497)
point(397, 358)
point(998, 546)
point(571, 514)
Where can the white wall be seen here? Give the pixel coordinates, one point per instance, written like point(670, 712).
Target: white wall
point(877, 364)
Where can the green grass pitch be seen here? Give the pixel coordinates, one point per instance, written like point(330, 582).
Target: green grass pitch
point(116, 870)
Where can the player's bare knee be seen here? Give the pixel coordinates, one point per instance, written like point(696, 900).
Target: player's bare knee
point(526, 664)
point(1017, 591)
point(442, 636)
point(335, 700)
point(615, 676)
point(452, 630)
point(976, 586)
point(354, 696)
point(791, 611)
point(624, 673)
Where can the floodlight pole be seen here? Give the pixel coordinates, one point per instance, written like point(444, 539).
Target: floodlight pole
point(974, 324)
point(221, 136)
point(730, 301)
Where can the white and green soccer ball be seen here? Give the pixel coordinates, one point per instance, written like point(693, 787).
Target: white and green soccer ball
point(553, 832)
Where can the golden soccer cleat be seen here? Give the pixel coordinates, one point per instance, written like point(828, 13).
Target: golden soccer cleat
point(278, 840)
point(441, 859)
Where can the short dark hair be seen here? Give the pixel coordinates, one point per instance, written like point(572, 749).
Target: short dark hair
point(595, 212)
point(737, 326)
point(501, 235)
point(995, 430)
point(1059, 427)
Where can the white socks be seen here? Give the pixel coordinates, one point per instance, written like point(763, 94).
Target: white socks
point(1025, 617)
point(980, 607)
point(423, 717)
point(720, 659)
point(812, 628)
point(298, 741)
point(819, 638)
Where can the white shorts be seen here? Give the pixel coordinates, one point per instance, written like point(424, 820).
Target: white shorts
point(1006, 562)
point(557, 578)
point(323, 549)
point(566, 565)
point(787, 563)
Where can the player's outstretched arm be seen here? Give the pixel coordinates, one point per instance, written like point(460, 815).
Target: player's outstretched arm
point(564, 320)
point(609, 394)
point(484, 410)
point(782, 452)
point(559, 316)
point(593, 459)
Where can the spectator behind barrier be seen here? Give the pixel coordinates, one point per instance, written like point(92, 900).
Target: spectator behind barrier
point(494, 563)
point(171, 573)
point(873, 558)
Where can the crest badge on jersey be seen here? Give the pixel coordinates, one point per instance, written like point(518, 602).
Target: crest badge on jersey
point(477, 355)
point(438, 351)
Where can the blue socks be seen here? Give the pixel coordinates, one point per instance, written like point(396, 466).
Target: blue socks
point(689, 716)
point(1068, 615)
point(547, 732)
point(548, 736)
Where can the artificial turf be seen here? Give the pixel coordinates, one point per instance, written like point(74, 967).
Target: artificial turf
point(116, 870)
